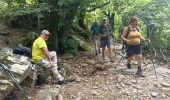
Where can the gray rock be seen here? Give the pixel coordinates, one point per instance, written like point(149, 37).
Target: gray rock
point(154, 94)
point(19, 66)
point(68, 56)
point(48, 93)
point(90, 61)
point(133, 81)
point(94, 92)
point(164, 84)
point(120, 77)
point(128, 72)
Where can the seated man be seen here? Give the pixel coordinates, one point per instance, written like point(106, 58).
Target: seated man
point(41, 56)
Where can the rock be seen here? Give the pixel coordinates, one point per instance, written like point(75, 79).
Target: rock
point(77, 78)
point(164, 84)
point(73, 77)
point(162, 70)
point(166, 89)
point(4, 32)
point(133, 81)
point(90, 62)
point(68, 56)
point(128, 72)
point(138, 87)
point(94, 92)
point(48, 92)
point(19, 67)
point(120, 78)
point(154, 94)
point(82, 44)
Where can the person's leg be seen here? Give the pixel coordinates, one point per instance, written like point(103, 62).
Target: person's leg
point(138, 52)
point(53, 69)
point(109, 46)
point(103, 45)
point(130, 53)
point(128, 63)
point(98, 45)
point(53, 55)
point(103, 53)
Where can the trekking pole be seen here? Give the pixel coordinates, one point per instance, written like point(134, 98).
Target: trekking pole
point(124, 53)
point(114, 46)
point(153, 49)
point(8, 72)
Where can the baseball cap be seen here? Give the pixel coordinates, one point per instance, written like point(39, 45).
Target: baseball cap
point(45, 32)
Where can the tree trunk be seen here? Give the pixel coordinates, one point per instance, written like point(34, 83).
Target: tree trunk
point(81, 19)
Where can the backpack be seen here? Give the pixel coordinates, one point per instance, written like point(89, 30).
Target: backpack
point(25, 51)
point(107, 27)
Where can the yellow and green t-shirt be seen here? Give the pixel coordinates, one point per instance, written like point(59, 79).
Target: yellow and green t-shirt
point(37, 53)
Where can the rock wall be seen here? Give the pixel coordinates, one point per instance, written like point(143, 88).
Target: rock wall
point(18, 65)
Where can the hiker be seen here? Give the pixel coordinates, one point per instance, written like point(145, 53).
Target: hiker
point(95, 28)
point(133, 40)
point(106, 38)
point(43, 57)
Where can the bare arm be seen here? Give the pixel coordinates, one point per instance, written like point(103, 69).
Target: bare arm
point(123, 36)
point(142, 38)
point(45, 50)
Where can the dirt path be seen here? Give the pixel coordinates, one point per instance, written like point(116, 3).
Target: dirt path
point(118, 84)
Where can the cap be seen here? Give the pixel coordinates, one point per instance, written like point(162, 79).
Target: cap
point(45, 32)
point(104, 18)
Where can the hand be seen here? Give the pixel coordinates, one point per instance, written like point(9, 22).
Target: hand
point(128, 41)
point(51, 64)
point(148, 40)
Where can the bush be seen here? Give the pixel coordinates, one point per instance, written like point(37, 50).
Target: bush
point(70, 46)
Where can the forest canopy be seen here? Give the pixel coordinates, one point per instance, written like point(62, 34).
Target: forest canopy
point(65, 17)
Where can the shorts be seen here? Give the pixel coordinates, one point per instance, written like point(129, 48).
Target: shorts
point(106, 42)
point(134, 50)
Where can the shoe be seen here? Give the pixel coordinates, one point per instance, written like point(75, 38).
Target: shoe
point(128, 66)
point(60, 82)
point(139, 73)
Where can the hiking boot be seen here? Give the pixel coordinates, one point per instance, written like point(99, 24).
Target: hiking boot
point(59, 82)
point(128, 66)
point(139, 73)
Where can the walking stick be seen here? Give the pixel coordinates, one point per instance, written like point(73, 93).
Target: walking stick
point(8, 72)
point(153, 49)
point(123, 55)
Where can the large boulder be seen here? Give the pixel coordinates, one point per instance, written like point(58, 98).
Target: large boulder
point(18, 65)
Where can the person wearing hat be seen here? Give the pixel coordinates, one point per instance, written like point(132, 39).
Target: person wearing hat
point(43, 57)
point(106, 38)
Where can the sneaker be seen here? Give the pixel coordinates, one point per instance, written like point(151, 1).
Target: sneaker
point(139, 73)
point(128, 66)
point(60, 82)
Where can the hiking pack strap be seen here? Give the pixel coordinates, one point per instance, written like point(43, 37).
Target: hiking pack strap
point(129, 30)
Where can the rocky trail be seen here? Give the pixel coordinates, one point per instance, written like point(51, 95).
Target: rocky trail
point(92, 78)
point(97, 79)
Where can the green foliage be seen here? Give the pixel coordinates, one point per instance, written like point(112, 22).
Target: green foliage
point(70, 46)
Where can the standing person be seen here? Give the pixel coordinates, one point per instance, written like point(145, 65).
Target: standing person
point(95, 28)
point(133, 40)
point(106, 38)
point(43, 57)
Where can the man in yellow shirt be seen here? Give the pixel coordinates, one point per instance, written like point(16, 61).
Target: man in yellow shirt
point(41, 56)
